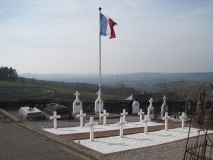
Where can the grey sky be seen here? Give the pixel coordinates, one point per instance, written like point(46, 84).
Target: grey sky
point(52, 36)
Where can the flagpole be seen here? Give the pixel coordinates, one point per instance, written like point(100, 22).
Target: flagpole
point(99, 92)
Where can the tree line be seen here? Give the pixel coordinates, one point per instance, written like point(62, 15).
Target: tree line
point(8, 74)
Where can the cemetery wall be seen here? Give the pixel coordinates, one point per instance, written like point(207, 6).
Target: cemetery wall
point(112, 106)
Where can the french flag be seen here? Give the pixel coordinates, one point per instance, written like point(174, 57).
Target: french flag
point(107, 25)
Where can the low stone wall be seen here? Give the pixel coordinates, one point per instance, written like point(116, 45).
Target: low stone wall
point(112, 106)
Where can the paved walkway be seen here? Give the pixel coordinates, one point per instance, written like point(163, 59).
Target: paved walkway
point(19, 143)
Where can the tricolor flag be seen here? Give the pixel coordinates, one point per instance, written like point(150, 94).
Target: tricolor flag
point(107, 25)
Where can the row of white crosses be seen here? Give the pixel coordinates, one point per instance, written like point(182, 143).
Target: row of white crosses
point(166, 118)
point(121, 123)
point(122, 119)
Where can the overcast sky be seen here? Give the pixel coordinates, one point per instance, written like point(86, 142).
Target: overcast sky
point(62, 36)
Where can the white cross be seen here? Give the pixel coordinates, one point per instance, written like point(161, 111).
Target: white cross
point(164, 98)
point(54, 117)
point(104, 117)
point(77, 94)
point(81, 115)
point(166, 118)
point(146, 120)
point(162, 107)
point(91, 125)
point(124, 114)
point(121, 124)
point(141, 113)
point(151, 100)
point(183, 117)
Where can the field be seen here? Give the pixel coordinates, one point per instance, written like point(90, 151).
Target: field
point(15, 90)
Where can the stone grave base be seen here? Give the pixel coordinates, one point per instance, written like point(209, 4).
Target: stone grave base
point(60, 109)
point(31, 114)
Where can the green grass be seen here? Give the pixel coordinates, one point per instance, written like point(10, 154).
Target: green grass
point(14, 84)
point(20, 90)
point(32, 90)
point(83, 94)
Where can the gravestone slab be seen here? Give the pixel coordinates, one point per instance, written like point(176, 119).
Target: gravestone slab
point(60, 109)
point(150, 112)
point(31, 113)
point(135, 107)
point(164, 107)
point(77, 104)
point(97, 103)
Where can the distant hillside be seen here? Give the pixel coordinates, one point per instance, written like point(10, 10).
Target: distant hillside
point(138, 81)
point(16, 90)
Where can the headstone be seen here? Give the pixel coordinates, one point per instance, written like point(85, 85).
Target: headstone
point(31, 113)
point(150, 112)
point(166, 118)
point(135, 107)
point(104, 115)
point(97, 104)
point(91, 125)
point(124, 114)
point(183, 118)
point(146, 120)
point(81, 115)
point(164, 107)
point(60, 109)
point(55, 117)
point(77, 104)
point(141, 114)
point(121, 124)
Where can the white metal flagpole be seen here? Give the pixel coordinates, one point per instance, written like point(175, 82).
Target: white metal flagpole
point(99, 93)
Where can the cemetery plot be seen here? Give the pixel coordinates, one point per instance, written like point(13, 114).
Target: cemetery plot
point(61, 110)
point(31, 113)
point(134, 141)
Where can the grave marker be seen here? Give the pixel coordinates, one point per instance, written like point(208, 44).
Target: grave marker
point(146, 120)
point(135, 107)
point(124, 114)
point(91, 125)
point(97, 104)
point(63, 111)
point(183, 118)
point(81, 115)
point(141, 114)
point(164, 107)
point(77, 104)
point(31, 113)
point(104, 115)
point(166, 118)
point(54, 117)
point(121, 124)
point(150, 110)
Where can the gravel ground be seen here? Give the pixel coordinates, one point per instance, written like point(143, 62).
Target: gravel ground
point(174, 150)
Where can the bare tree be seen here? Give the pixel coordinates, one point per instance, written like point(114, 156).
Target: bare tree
point(164, 88)
point(121, 91)
point(182, 90)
